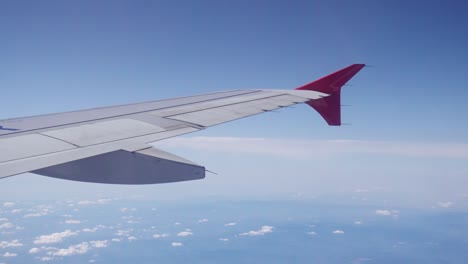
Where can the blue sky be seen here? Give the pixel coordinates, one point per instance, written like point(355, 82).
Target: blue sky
point(408, 138)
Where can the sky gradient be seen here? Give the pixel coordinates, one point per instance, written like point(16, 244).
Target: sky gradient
point(408, 142)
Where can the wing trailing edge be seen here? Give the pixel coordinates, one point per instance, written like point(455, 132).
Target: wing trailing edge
point(329, 107)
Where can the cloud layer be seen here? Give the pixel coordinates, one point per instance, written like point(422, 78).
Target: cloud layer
point(307, 148)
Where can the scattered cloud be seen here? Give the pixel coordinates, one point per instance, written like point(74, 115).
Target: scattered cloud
point(99, 201)
point(338, 232)
point(393, 213)
point(3, 219)
point(99, 243)
point(445, 204)
point(125, 209)
point(357, 222)
point(312, 233)
point(131, 238)
point(9, 255)
point(8, 244)
point(72, 222)
point(263, 230)
point(160, 235)
point(224, 239)
point(35, 214)
point(54, 237)
point(176, 244)
point(89, 230)
point(204, 220)
point(231, 224)
point(115, 240)
point(383, 212)
point(34, 250)
point(185, 233)
point(7, 225)
point(123, 232)
point(8, 204)
point(77, 249)
point(176, 223)
point(361, 191)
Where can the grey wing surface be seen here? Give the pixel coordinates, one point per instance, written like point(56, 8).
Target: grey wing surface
point(110, 145)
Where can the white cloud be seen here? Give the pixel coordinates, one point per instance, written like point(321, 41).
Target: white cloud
point(184, 233)
point(104, 200)
point(3, 219)
point(224, 239)
point(77, 249)
point(312, 233)
point(231, 224)
point(338, 232)
point(99, 201)
point(393, 213)
point(445, 204)
point(99, 243)
point(160, 235)
point(383, 212)
point(73, 222)
point(357, 222)
point(54, 237)
point(125, 209)
point(86, 202)
point(89, 230)
point(176, 223)
point(35, 214)
point(115, 240)
point(176, 244)
point(317, 148)
point(7, 225)
point(131, 238)
point(204, 220)
point(124, 232)
point(46, 258)
point(8, 204)
point(34, 250)
point(8, 244)
point(263, 230)
point(9, 255)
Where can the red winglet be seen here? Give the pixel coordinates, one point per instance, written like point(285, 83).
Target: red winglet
point(330, 107)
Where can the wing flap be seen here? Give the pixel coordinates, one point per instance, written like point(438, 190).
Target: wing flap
point(147, 166)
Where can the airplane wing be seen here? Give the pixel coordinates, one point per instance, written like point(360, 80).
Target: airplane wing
point(110, 145)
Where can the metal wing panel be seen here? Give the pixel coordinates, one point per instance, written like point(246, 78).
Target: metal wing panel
point(254, 96)
point(31, 163)
point(34, 124)
point(30, 145)
point(102, 132)
point(222, 114)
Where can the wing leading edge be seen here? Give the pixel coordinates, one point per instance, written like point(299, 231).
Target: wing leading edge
point(110, 145)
